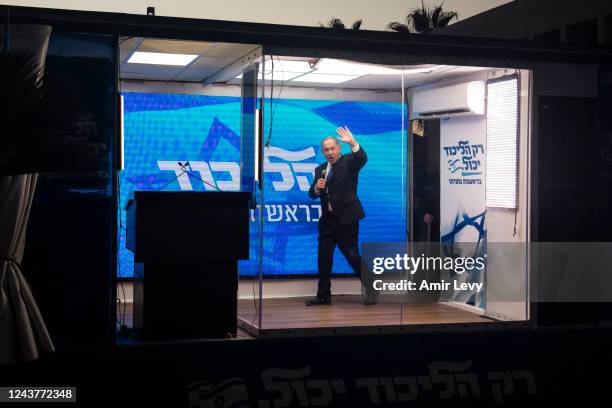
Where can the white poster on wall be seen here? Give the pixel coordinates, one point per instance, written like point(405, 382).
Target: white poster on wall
point(462, 197)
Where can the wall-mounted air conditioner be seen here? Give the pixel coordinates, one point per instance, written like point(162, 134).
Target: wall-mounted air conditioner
point(466, 98)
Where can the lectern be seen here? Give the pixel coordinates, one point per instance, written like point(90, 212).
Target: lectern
point(186, 249)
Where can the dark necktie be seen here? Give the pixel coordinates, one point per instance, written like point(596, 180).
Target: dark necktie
point(328, 179)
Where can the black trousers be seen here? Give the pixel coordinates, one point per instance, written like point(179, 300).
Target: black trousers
point(332, 233)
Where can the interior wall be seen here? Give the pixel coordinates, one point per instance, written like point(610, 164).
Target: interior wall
point(507, 267)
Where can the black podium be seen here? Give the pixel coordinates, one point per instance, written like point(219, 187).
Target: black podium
point(186, 249)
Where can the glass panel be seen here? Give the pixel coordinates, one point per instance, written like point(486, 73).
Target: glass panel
point(180, 136)
point(306, 101)
point(75, 194)
point(507, 178)
point(468, 178)
point(249, 305)
point(420, 305)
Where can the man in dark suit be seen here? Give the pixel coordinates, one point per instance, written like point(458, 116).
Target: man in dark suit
point(335, 183)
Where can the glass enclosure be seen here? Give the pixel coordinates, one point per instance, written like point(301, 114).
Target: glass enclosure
point(427, 190)
point(422, 214)
point(307, 101)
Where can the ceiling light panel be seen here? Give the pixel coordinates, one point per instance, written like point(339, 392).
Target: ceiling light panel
point(161, 58)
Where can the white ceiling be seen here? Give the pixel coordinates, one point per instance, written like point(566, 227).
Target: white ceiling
point(213, 59)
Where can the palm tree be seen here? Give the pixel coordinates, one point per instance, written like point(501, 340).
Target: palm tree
point(399, 27)
point(337, 24)
point(424, 20)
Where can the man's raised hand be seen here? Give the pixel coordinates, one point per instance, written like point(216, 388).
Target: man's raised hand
point(346, 136)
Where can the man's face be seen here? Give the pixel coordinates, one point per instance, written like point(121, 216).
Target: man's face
point(331, 149)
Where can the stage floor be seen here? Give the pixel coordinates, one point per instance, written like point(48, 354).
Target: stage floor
point(348, 311)
point(289, 316)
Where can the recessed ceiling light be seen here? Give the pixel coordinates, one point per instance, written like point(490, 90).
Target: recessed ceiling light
point(325, 78)
point(161, 58)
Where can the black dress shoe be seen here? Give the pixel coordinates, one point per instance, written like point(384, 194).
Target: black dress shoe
point(317, 301)
point(369, 302)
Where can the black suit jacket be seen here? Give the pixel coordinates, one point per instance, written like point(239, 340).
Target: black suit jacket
point(342, 187)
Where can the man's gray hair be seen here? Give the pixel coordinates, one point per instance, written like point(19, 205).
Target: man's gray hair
point(334, 138)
